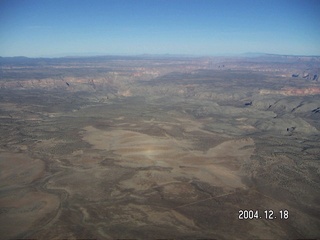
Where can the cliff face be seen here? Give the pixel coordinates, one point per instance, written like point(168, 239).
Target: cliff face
point(293, 91)
point(200, 78)
point(67, 84)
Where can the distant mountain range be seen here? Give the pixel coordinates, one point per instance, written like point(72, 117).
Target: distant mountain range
point(96, 55)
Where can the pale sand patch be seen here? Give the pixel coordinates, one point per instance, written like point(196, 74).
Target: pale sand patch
point(119, 118)
point(247, 127)
point(190, 125)
point(147, 179)
point(45, 143)
point(218, 166)
point(18, 169)
point(77, 153)
point(241, 119)
point(128, 143)
point(234, 148)
point(158, 216)
point(25, 211)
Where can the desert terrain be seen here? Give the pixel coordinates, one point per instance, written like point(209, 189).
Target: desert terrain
point(159, 147)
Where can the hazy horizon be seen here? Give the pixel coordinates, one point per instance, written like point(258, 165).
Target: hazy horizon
point(93, 55)
point(201, 28)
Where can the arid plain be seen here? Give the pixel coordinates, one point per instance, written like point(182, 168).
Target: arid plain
point(160, 147)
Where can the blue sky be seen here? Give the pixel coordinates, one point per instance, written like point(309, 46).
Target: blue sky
point(88, 27)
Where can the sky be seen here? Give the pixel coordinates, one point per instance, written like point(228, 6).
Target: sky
point(55, 28)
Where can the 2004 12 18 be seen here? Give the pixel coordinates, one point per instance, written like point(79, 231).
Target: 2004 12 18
point(265, 214)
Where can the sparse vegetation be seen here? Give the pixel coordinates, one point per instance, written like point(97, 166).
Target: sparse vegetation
point(158, 148)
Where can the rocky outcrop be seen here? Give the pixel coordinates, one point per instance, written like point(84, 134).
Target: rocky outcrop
point(292, 91)
point(286, 124)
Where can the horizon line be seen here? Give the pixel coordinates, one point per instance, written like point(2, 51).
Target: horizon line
point(84, 55)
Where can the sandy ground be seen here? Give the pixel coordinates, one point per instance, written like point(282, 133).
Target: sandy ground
point(22, 205)
point(217, 166)
point(18, 169)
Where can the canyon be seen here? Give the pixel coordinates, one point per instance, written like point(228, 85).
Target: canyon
point(150, 147)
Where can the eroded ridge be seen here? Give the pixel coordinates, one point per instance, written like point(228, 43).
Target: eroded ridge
point(173, 149)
